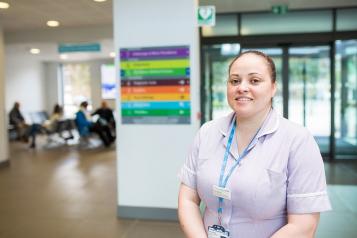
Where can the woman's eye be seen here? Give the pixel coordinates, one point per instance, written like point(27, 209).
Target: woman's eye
point(234, 82)
point(254, 81)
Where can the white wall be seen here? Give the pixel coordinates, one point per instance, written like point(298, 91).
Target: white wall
point(24, 81)
point(149, 156)
point(4, 153)
point(51, 85)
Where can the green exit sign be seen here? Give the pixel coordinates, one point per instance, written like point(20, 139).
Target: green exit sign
point(279, 9)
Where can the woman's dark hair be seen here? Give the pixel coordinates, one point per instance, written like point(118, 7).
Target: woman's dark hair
point(84, 104)
point(267, 59)
point(57, 109)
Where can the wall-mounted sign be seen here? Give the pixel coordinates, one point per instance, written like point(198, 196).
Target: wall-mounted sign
point(155, 85)
point(206, 15)
point(88, 47)
point(279, 9)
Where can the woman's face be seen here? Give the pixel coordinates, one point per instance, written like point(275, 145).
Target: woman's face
point(250, 87)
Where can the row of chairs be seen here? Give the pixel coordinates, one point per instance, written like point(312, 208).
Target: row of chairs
point(60, 134)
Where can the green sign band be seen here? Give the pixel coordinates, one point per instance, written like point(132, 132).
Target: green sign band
point(155, 72)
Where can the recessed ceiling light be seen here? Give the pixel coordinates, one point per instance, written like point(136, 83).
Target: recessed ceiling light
point(52, 23)
point(35, 51)
point(99, 0)
point(112, 54)
point(63, 56)
point(4, 5)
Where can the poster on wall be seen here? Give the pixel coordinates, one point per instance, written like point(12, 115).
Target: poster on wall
point(155, 85)
point(108, 81)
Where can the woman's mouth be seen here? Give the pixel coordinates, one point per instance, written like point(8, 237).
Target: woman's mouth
point(243, 99)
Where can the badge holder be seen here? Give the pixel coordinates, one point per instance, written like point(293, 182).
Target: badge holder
point(217, 231)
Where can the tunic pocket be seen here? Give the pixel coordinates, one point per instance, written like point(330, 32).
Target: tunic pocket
point(270, 196)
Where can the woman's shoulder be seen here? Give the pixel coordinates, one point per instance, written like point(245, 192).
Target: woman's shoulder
point(293, 130)
point(220, 124)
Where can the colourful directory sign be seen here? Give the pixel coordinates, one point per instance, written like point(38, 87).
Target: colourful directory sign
point(155, 85)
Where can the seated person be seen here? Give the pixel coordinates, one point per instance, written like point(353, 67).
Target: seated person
point(85, 126)
point(106, 115)
point(18, 121)
point(22, 128)
point(56, 123)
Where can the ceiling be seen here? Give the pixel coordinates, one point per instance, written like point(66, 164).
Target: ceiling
point(25, 21)
point(33, 14)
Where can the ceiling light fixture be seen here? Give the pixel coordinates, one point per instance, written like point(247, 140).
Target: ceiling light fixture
point(4, 5)
point(52, 23)
point(99, 0)
point(63, 56)
point(35, 51)
point(112, 54)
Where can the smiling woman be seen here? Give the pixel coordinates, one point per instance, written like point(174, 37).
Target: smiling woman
point(251, 86)
point(258, 174)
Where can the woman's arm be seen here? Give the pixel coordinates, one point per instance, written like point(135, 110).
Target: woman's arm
point(299, 226)
point(189, 213)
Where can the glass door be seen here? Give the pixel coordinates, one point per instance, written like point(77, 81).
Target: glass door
point(346, 99)
point(310, 91)
point(216, 61)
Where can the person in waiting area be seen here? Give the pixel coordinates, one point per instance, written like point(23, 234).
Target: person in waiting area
point(106, 115)
point(22, 128)
point(56, 123)
point(258, 174)
point(18, 121)
point(85, 126)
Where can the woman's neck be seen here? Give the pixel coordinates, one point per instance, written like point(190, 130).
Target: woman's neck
point(251, 124)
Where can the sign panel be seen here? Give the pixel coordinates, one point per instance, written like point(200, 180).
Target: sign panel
point(206, 15)
point(155, 85)
point(279, 9)
point(88, 47)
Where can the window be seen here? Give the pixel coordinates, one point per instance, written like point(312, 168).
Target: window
point(346, 20)
point(76, 86)
point(291, 22)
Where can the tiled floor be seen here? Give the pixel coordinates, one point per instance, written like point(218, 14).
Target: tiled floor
point(71, 193)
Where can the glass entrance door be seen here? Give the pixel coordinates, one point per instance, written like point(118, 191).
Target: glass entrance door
point(346, 99)
point(310, 91)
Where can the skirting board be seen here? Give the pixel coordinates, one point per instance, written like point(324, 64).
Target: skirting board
point(5, 163)
point(147, 213)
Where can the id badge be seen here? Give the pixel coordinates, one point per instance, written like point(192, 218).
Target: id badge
point(221, 192)
point(217, 231)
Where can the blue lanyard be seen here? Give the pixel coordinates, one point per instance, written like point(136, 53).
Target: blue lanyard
point(223, 181)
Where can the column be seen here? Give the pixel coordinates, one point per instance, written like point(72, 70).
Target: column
point(158, 103)
point(4, 152)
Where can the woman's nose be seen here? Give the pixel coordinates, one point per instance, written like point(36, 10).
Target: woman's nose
point(243, 87)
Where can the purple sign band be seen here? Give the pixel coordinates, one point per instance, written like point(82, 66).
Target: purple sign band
point(155, 53)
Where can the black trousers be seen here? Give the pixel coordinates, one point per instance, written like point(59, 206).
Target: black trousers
point(103, 132)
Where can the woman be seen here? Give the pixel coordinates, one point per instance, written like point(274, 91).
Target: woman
point(57, 123)
point(258, 174)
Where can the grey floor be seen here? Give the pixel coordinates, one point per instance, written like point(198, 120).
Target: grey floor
point(69, 193)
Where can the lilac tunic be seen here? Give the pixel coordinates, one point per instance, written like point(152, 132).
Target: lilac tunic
point(282, 174)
